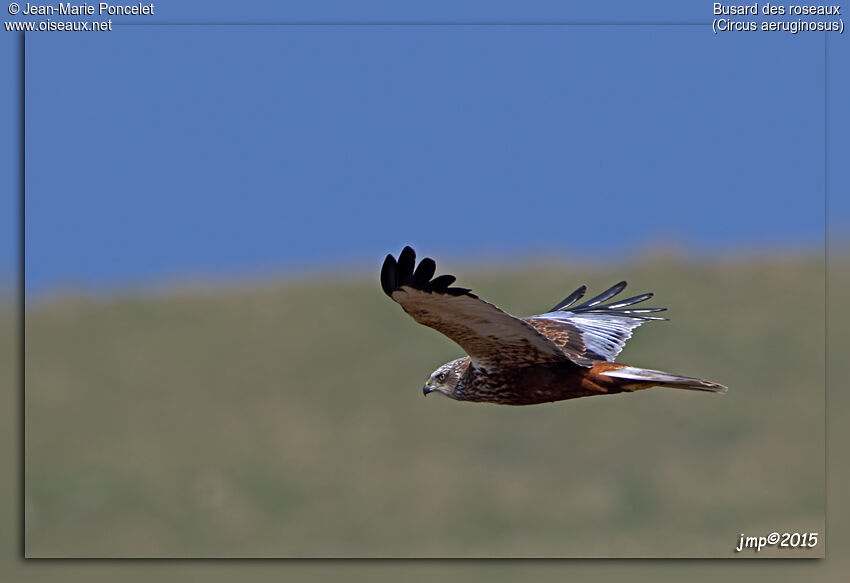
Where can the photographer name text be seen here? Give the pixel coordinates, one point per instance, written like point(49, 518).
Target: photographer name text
point(99, 9)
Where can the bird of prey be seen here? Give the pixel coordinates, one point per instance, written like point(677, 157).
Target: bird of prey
point(567, 352)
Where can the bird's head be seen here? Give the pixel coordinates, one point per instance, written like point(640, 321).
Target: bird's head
point(446, 378)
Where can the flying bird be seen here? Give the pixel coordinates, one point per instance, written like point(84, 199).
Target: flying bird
point(565, 353)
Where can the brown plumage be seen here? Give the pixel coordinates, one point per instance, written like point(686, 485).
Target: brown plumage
point(565, 353)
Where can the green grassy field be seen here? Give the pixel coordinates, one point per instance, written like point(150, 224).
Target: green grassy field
point(287, 420)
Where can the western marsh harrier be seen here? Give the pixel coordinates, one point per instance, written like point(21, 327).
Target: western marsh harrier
point(567, 352)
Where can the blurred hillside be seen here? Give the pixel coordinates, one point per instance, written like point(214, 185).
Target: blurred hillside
point(287, 420)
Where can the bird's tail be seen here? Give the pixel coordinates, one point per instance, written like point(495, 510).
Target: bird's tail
point(645, 378)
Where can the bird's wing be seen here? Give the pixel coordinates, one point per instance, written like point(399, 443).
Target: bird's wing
point(492, 338)
point(593, 331)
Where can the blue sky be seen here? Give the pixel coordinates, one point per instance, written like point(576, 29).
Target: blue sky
point(156, 153)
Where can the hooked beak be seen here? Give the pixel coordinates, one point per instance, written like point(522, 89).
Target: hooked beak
point(426, 389)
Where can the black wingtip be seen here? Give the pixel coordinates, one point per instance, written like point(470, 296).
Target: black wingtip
point(406, 263)
point(441, 284)
point(424, 272)
point(388, 279)
point(606, 295)
point(405, 272)
point(621, 307)
point(570, 299)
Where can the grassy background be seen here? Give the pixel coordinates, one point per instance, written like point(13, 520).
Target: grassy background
point(287, 419)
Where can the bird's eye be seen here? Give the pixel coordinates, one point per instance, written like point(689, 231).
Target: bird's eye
point(441, 377)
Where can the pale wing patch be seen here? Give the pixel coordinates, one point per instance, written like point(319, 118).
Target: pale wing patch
point(489, 335)
point(594, 330)
point(604, 335)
